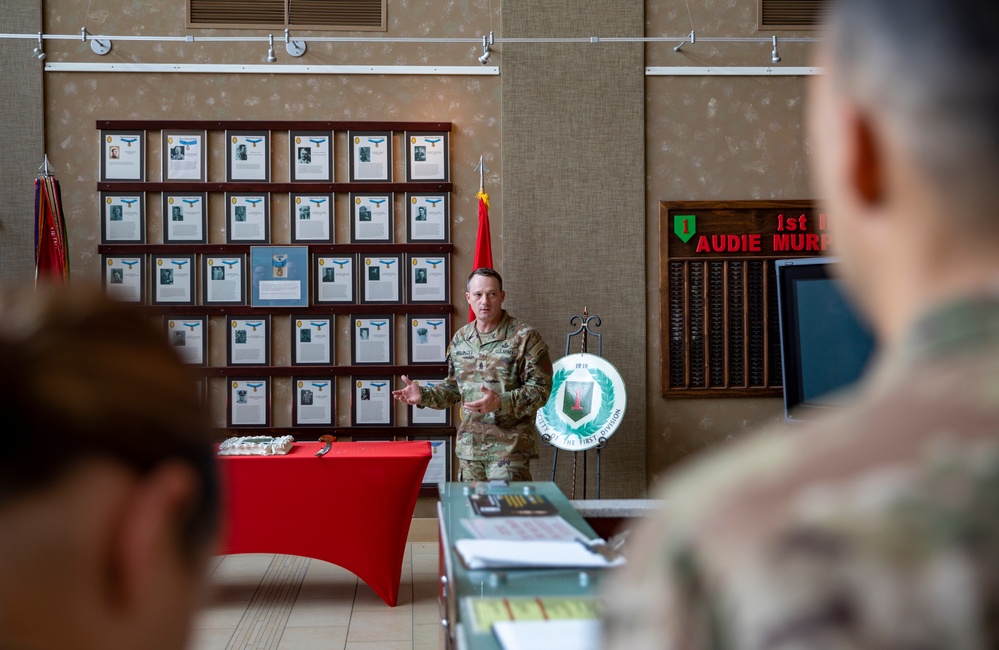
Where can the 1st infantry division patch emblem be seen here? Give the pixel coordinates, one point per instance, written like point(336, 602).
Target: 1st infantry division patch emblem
point(586, 404)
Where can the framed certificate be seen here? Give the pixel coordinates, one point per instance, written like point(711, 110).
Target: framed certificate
point(428, 417)
point(183, 154)
point(223, 279)
point(371, 218)
point(312, 340)
point(173, 279)
point(123, 156)
point(249, 402)
point(315, 400)
point(428, 338)
point(371, 340)
point(311, 218)
point(249, 341)
point(279, 276)
point(125, 278)
point(189, 337)
point(439, 469)
point(380, 278)
point(312, 156)
point(249, 218)
point(427, 157)
point(429, 217)
point(370, 155)
point(124, 219)
point(371, 401)
point(333, 279)
point(429, 279)
point(248, 156)
point(185, 218)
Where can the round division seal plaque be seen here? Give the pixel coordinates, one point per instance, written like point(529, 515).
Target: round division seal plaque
point(586, 404)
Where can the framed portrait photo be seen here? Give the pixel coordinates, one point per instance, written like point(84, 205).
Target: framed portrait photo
point(429, 278)
point(125, 277)
point(427, 157)
point(428, 417)
point(314, 401)
point(311, 218)
point(185, 218)
point(312, 340)
point(124, 217)
point(248, 156)
point(371, 401)
point(248, 218)
point(223, 279)
point(249, 402)
point(439, 469)
point(333, 279)
point(279, 276)
point(189, 337)
point(312, 156)
point(370, 155)
point(123, 155)
point(173, 279)
point(381, 280)
point(428, 217)
point(183, 153)
point(372, 340)
point(249, 340)
point(371, 218)
point(428, 337)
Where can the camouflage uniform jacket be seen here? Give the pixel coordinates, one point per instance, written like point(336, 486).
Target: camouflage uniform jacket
point(877, 528)
point(512, 360)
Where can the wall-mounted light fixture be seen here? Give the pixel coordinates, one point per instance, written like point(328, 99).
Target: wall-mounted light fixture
point(690, 37)
point(773, 55)
point(294, 48)
point(486, 52)
point(37, 52)
point(270, 49)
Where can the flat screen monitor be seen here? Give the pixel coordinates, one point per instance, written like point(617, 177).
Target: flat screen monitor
point(825, 346)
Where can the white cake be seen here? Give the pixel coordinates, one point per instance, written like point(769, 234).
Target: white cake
point(256, 446)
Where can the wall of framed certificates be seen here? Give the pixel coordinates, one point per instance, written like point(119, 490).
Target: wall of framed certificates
point(266, 270)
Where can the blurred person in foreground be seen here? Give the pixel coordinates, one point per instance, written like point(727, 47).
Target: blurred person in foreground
point(879, 527)
point(108, 492)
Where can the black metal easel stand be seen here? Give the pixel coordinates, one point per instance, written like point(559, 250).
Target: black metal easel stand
point(583, 330)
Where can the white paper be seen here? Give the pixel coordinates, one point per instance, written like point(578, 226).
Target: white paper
point(123, 157)
point(187, 336)
point(381, 279)
point(248, 341)
point(123, 279)
point(490, 554)
point(524, 529)
point(123, 218)
point(428, 282)
point(248, 157)
point(184, 157)
point(427, 218)
point(371, 158)
point(248, 218)
point(174, 278)
point(427, 162)
point(372, 218)
point(335, 279)
point(249, 402)
point(312, 154)
point(223, 279)
point(311, 216)
point(372, 341)
point(313, 343)
point(429, 340)
point(548, 635)
point(315, 401)
point(372, 401)
point(184, 220)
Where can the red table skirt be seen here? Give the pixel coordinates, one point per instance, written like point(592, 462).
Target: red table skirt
point(351, 507)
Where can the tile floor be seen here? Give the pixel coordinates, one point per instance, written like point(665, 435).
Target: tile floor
point(284, 602)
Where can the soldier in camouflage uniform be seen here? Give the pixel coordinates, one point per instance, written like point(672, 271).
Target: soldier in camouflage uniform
point(878, 528)
point(500, 369)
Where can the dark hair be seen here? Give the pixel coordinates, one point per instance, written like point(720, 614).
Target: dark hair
point(930, 68)
point(484, 272)
point(86, 377)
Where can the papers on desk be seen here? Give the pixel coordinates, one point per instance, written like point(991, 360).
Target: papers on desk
point(483, 613)
point(545, 635)
point(495, 554)
point(552, 529)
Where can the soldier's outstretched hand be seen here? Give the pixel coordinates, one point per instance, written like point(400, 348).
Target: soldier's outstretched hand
point(410, 394)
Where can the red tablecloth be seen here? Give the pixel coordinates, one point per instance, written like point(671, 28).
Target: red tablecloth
point(351, 507)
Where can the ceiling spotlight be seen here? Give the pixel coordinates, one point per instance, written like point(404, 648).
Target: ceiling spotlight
point(37, 52)
point(270, 50)
point(773, 55)
point(486, 52)
point(294, 48)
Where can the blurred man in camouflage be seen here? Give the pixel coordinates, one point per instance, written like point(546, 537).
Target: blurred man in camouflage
point(500, 368)
point(878, 528)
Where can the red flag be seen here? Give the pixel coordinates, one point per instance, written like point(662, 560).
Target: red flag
point(51, 257)
point(483, 245)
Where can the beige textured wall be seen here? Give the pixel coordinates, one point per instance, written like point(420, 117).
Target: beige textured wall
point(714, 138)
point(22, 141)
